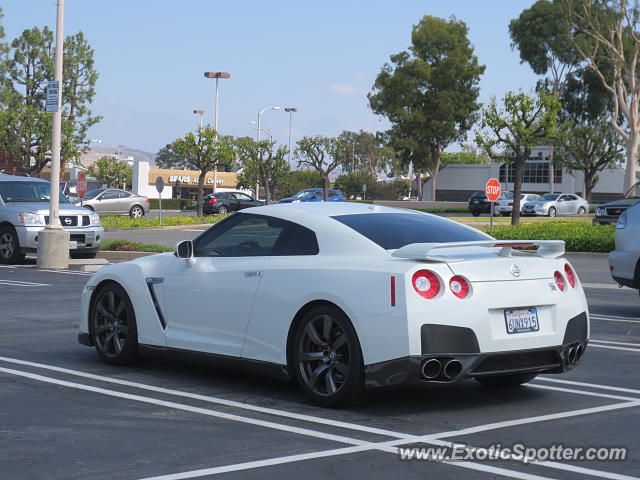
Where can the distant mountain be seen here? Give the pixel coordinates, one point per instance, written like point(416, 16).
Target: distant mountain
point(96, 151)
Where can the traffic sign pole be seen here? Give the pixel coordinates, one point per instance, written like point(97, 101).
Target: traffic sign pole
point(159, 188)
point(492, 191)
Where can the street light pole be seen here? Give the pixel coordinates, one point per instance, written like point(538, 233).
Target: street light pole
point(217, 76)
point(258, 139)
point(201, 113)
point(290, 110)
point(53, 241)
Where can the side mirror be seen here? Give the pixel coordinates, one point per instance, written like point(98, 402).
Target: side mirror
point(184, 249)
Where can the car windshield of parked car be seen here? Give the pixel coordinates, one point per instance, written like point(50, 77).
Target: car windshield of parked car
point(550, 196)
point(305, 194)
point(506, 196)
point(27, 192)
point(93, 193)
point(395, 230)
point(634, 192)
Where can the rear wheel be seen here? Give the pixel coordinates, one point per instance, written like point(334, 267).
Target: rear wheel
point(113, 325)
point(223, 210)
point(326, 357)
point(512, 380)
point(9, 246)
point(552, 212)
point(136, 211)
point(582, 211)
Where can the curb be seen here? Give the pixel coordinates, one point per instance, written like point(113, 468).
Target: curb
point(171, 227)
point(116, 256)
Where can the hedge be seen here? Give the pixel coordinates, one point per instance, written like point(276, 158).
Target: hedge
point(129, 246)
point(126, 222)
point(578, 237)
point(170, 203)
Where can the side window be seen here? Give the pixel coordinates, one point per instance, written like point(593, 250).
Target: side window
point(242, 236)
point(110, 195)
point(296, 240)
point(242, 196)
point(124, 194)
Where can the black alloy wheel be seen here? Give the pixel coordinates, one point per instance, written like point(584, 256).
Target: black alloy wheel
point(511, 380)
point(9, 246)
point(113, 325)
point(327, 359)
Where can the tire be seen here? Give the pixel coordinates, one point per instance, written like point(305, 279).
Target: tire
point(9, 246)
point(326, 358)
point(475, 213)
point(112, 325)
point(552, 212)
point(582, 211)
point(136, 211)
point(222, 210)
point(512, 380)
point(506, 214)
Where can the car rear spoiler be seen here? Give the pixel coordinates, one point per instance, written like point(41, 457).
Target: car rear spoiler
point(426, 251)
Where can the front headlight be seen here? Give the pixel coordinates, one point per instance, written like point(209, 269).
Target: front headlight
point(95, 219)
point(601, 212)
point(296, 201)
point(30, 219)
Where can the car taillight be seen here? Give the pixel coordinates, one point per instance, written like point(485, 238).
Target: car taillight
point(213, 200)
point(459, 286)
point(148, 201)
point(570, 276)
point(344, 198)
point(426, 283)
point(559, 281)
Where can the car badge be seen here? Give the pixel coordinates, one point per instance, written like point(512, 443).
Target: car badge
point(515, 270)
point(67, 221)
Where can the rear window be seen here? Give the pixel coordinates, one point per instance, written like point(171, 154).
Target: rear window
point(395, 230)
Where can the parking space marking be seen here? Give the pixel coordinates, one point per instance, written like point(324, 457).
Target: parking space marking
point(17, 283)
point(603, 286)
point(611, 347)
point(590, 385)
point(628, 344)
point(611, 318)
point(360, 446)
point(583, 392)
point(33, 267)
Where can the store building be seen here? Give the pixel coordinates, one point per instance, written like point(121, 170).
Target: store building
point(457, 182)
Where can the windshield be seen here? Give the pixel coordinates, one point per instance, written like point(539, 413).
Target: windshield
point(634, 192)
point(550, 196)
point(395, 230)
point(93, 193)
point(27, 192)
point(305, 194)
point(506, 196)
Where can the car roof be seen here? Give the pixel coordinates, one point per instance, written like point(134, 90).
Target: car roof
point(16, 178)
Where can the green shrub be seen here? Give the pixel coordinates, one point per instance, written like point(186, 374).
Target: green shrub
point(170, 203)
point(129, 246)
point(578, 237)
point(126, 222)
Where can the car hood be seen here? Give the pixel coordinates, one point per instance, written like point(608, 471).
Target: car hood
point(287, 200)
point(623, 202)
point(43, 208)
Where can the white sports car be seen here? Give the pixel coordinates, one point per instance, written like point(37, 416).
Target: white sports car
point(343, 297)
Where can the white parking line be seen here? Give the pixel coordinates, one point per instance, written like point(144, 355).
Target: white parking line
point(611, 347)
point(583, 392)
point(17, 283)
point(615, 343)
point(402, 439)
point(33, 267)
point(604, 286)
point(611, 318)
point(589, 385)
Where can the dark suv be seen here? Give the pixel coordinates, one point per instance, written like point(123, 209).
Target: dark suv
point(608, 213)
point(479, 203)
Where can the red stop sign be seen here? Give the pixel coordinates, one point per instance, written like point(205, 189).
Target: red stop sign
point(492, 189)
point(81, 184)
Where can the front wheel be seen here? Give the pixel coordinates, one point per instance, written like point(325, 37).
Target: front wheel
point(9, 246)
point(113, 325)
point(552, 212)
point(136, 211)
point(582, 211)
point(512, 380)
point(326, 357)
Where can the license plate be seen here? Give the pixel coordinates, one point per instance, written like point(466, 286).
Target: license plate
point(521, 320)
point(73, 245)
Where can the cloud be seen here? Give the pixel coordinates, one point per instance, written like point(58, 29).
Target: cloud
point(344, 89)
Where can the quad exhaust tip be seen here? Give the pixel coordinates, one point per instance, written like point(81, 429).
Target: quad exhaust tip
point(431, 368)
point(579, 352)
point(452, 369)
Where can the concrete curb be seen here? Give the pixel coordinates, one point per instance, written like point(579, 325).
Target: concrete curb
point(172, 227)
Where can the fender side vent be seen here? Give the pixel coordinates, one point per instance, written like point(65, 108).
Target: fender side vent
point(150, 283)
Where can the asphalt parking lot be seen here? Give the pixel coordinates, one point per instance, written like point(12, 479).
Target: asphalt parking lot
point(66, 415)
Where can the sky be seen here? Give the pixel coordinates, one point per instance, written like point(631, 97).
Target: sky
point(320, 57)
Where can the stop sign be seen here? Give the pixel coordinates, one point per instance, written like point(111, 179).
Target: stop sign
point(81, 184)
point(492, 189)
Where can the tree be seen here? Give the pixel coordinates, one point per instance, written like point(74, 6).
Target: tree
point(204, 151)
point(519, 126)
point(262, 165)
point(429, 94)
point(111, 171)
point(605, 33)
point(297, 180)
point(368, 152)
point(324, 155)
point(167, 158)
point(450, 158)
point(351, 183)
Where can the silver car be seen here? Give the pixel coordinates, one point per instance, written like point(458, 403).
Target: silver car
point(624, 261)
point(554, 204)
point(24, 212)
point(113, 201)
point(504, 206)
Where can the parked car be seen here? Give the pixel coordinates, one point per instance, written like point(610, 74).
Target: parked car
point(504, 206)
point(608, 213)
point(338, 296)
point(315, 195)
point(113, 201)
point(225, 202)
point(24, 212)
point(554, 204)
point(479, 203)
point(624, 261)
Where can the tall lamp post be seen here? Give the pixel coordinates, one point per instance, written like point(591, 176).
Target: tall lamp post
point(53, 241)
point(290, 111)
point(201, 113)
point(217, 76)
point(258, 138)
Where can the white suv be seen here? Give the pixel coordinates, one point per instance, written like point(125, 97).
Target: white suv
point(624, 261)
point(24, 211)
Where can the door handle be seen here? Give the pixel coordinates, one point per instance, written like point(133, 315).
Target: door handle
point(252, 274)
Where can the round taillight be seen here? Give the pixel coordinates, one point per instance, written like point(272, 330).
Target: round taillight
point(570, 276)
point(426, 283)
point(459, 286)
point(559, 281)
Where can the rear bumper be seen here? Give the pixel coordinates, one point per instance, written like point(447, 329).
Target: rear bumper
point(447, 344)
